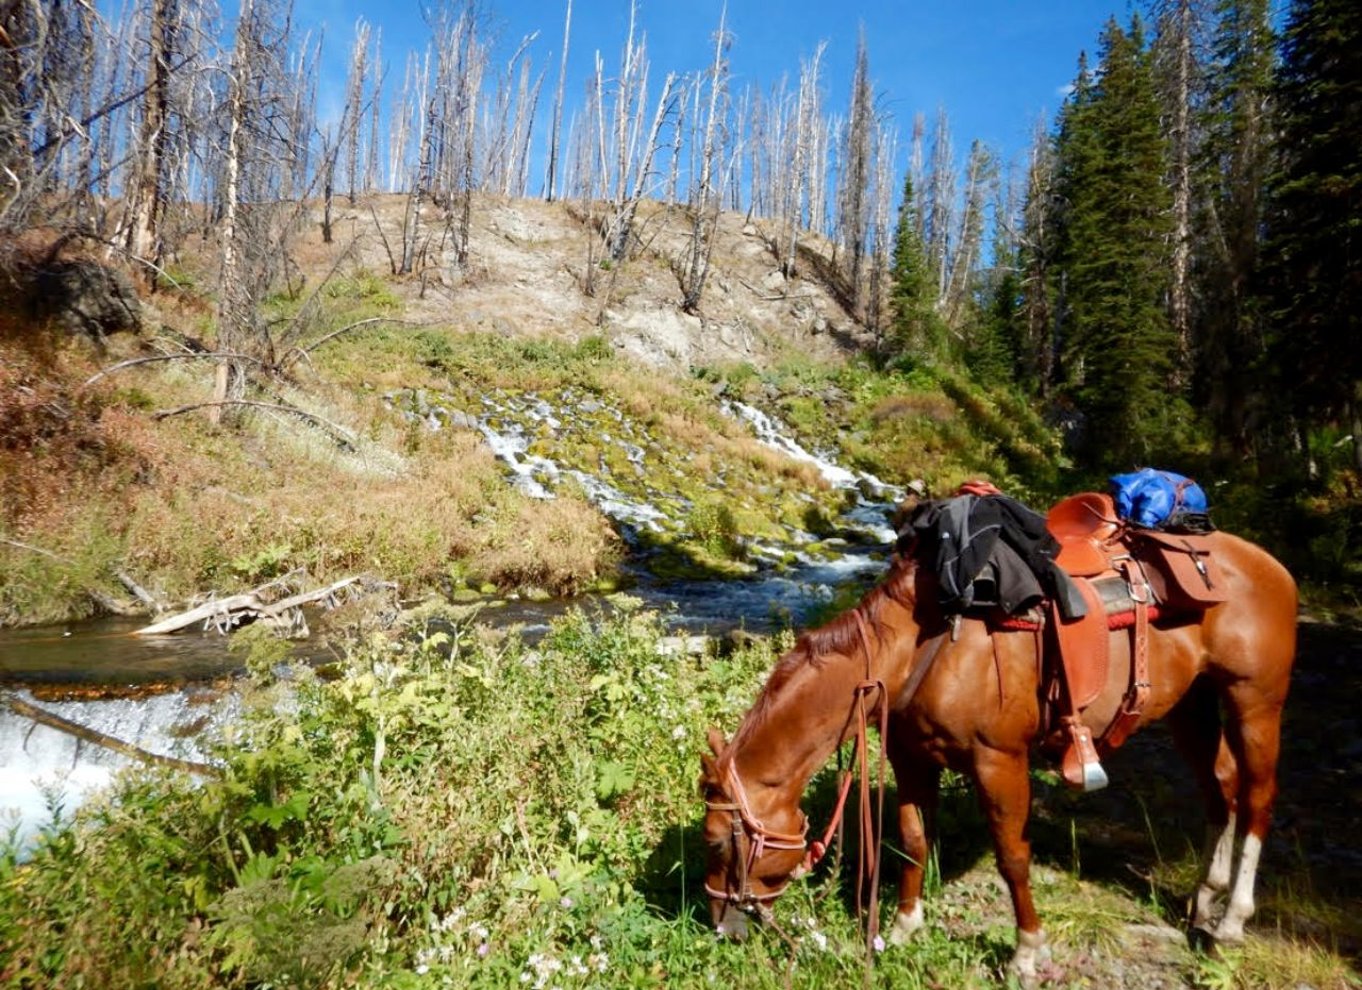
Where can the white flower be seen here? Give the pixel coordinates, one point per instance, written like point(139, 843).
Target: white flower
point(878, 943)
point(422, 969)
point(679, 732)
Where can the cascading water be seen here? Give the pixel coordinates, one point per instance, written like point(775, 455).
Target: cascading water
point(620, 466)
point(45, 769)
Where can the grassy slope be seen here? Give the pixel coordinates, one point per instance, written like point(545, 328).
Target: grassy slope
point(92, 483)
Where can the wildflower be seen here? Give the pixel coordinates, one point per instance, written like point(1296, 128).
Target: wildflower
point(878, 943)
point(679, 732)
point(422, 969)
point(478, 930)
point(598, 961)
point(483, 949)
point(820, 940)
point(565, 903)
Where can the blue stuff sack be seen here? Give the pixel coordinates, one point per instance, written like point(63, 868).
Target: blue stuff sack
point(1156, 499)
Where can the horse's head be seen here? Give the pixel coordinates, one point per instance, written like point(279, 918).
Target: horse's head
point(751, 860)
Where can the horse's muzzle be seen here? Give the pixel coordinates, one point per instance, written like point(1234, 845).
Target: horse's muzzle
point(730, 922)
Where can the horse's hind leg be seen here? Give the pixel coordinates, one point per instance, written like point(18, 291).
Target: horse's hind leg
point(1195, 724)
point(1254, 735)
point(918, 785)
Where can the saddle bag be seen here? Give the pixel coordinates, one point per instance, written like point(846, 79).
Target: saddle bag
point(1181, 570)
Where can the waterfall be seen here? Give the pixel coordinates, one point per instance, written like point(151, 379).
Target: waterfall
point(43, 768)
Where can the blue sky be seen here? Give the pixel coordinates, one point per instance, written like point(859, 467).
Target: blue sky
point(995, 65)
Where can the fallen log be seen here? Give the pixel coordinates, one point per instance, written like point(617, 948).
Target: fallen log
point(218, 609)
point(244, 605)
point(44, 717)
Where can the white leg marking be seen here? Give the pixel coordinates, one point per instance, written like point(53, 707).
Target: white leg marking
point(906, 924)
point(1032, 950)
point(1231, 929)
point(1218, 857)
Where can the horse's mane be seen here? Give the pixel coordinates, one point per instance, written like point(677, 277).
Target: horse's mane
point(840, 636)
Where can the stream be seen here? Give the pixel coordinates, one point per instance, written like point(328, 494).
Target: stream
point(163, 693)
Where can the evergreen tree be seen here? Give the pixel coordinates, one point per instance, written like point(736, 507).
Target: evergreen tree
point(1035, 343)
point(1315, 215)
point(915, 328)
point(1233, 167)
point(1111, 270)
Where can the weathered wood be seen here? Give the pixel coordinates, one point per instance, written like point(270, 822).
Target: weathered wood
point(343, 437)
point(140, 593)
point(53, 721)
point(246, 604)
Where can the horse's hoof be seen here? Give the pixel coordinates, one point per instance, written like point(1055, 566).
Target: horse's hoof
point(906, 925)
point(1032, 956)
point(1229, 936)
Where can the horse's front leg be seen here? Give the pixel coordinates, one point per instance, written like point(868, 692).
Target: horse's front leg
point(918, 785)
point(1004, 786)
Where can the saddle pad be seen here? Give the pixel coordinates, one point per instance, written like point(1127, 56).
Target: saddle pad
point(1181, 569)
point(1084, 648)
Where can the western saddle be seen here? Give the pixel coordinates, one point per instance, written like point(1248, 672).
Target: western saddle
point(1127, 577)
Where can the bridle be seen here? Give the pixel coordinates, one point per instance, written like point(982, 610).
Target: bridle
point(761, 839)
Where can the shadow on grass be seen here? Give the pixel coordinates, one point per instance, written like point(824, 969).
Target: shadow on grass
point(672, 881)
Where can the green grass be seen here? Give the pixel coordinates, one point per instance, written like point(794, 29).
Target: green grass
point(453, 808)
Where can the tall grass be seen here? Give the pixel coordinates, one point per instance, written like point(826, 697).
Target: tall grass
point(452, 807)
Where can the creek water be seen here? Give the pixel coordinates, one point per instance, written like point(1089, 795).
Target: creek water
point(163, 693)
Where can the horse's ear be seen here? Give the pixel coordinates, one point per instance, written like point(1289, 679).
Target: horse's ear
point(716, 741)
point(709, 771)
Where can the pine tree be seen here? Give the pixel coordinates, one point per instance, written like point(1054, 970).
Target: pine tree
point(914, 328)
point(1233, 168)
point(1112, 265)
point(1315, 215)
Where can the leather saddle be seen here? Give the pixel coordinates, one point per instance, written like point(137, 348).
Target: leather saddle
point(1126, 577)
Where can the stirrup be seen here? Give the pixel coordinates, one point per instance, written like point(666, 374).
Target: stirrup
point(1080, 767)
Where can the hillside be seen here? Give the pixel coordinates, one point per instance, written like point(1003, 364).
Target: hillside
point(368, 443)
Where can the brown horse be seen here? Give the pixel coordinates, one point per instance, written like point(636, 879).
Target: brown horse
point(977, 711)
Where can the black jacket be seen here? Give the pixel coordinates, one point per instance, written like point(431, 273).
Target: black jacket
point(986, 550)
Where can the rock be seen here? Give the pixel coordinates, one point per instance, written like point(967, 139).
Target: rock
point(84, 296)
point(774, 281)
point(692, 646)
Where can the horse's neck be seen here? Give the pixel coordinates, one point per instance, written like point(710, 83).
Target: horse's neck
point(797, 729)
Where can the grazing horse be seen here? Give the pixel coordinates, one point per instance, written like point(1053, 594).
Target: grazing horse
point(975, 708)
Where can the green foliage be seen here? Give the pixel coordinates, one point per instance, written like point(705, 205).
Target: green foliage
point(1111, 266)
point(915, 328)
point(1314, 247)
point(712, 523)
point(453, 808)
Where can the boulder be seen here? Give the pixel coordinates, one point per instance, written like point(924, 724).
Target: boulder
point(82, 295)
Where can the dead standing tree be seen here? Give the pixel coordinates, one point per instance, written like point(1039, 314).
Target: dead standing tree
point(47, 107)
point(255, 223)
point(855, 179)
point(708, 193)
